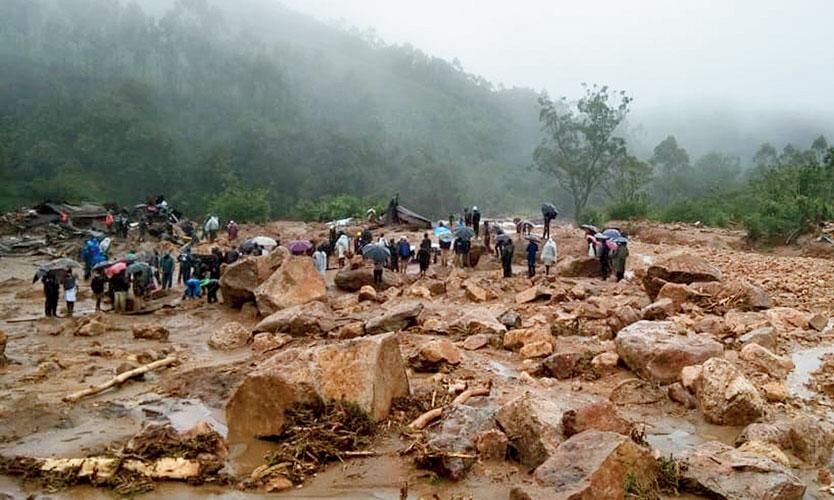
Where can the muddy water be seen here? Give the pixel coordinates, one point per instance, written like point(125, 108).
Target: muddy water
point(806, 362)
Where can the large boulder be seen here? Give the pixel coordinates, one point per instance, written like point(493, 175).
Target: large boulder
point(678, 268)
point(268, 264)
point(725, 395)
point(721, 471)
point(741, 295)
point(597, 464)
point(352, 280)
point(533, 427)
point(239, 281)
point(232, 336)
point(395, 319)
point(296, 282)
point(476, 321)
point(579, 267)
point(314, 318)
point(806, 437)
point(455, 440)
point(656, 351)
point(368, 371)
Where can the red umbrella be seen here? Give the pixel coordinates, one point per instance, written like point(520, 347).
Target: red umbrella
point(115, 269)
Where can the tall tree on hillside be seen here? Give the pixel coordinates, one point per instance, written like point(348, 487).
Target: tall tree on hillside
point(579, 147)
point(627, 180)
point(671, 163)
point(766, 156)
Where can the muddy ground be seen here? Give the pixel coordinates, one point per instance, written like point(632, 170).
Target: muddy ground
point(46, 363)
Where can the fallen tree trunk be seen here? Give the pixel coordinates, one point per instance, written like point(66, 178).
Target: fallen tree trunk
point(120, 379)
point(430, 416)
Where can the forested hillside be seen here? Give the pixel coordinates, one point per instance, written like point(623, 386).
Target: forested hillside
point(100, 99)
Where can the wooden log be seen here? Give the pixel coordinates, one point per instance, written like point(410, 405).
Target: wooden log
point(120, 379)
point(430, 416)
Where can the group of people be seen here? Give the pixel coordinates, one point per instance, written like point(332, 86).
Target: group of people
point(611, 250)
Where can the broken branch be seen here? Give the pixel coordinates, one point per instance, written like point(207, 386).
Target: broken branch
point(120, 379)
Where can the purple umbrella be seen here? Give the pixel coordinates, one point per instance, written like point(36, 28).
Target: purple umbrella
point(299, 247)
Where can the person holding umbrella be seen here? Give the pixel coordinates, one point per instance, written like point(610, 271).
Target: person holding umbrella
point(550, 213)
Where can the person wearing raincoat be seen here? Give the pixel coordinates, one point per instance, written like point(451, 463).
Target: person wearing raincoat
point(549, 254)
point(342, 246)
point(108, 222)
point(320, 260)
point(532, 251)
point(232, 230)
point(620, 258)
point(211, 227)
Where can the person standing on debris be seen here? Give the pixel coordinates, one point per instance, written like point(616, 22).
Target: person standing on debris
point(211, 286)
point(97, 286)
point(486, 234)
point(549, 253)
point(445, 248)
point(532, 252)
point(604, 259)
point(232, 230)
point(167, 264)
point(119, 285)
point(342, 246)
point(620, 258)
point(476, 220)
point(424, 255)
point(320, 260)
point(185, 266)
point(138, 291)
point(395, 255)
point(467, 217)
point(211, 227)
point(379, 266)
point(155, 264)
point(108, 222)
point(507, 249)
point(51, 293)
point(404, 249)
point(143, 228)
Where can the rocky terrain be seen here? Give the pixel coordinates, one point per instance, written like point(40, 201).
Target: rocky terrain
point(706, 373)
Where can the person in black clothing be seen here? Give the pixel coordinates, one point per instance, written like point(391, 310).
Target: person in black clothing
point(212, 287)
point(604, 259)
point(97, 285)
point(232, 256)
point(476, 220)
point(424, 254)
point(185, 267)
point(467, 217)
point(395, 256)
point(51, 291)
point(506, 248)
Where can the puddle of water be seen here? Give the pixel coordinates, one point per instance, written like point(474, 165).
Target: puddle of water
point(806, 361)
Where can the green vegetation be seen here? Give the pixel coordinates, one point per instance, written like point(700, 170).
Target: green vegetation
point(241, 205)
point(336, 207)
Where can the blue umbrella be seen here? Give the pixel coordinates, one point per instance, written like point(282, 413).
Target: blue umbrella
point(446, 237)
point(442, 230)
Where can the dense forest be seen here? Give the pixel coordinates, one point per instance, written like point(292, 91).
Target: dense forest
point(250, 110)
point(103, 100)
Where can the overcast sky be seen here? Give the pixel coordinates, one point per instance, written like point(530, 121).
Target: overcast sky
point(756, 53)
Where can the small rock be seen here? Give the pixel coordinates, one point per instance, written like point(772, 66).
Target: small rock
point(767, 362)
point(420, 292)
point(350, 331)
point(600, 416)
point(516, 339)
point(566, 364)
point(474, 292)
point(150, 332)
point(532, 294)
point(367, 293)
point(690, 376)
point(232, 336)
point(511, 319)
point(492, 445)
point(397, 318)
point(266, 342)
point(678, 393)
point(818, 322)
point(92, 328)
point(678, 293)
point(766, 450)
point(436, 354)
point(536, 349)
point(765, 337)
point(775, 392)
point(475, 342)
point(605, 363)
point(659, 310)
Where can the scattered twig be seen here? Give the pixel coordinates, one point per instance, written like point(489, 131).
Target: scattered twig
point(430, 416)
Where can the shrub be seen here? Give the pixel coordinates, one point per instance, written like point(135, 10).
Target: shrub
point(335, 207)
point(241, 205)
point(627, 210)
point(591, 216)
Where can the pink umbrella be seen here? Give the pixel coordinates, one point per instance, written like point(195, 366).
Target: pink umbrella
point(298, 247)
point(115, 269)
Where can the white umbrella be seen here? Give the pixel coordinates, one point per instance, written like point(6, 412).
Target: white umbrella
point(265, 242)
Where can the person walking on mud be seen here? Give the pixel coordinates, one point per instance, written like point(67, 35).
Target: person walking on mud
point(549, 253)
point(70, 291)
point(97, 286)
point(604, 259)
point(620, 258)
point(476, 220)
point(507, 249)
point(51, 293)
point(404, 249)
point(424, 255)
point(167, 263)
point(532, 251)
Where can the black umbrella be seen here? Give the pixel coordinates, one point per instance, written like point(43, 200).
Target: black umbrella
point(376, 252)
point(465, 233)
point(62, 263)
point(549, 210)
point(503, 238)
point(104, 265)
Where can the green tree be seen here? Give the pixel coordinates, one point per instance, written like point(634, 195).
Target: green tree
point(672, 169)
point(580, 148)
point(766, 156)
